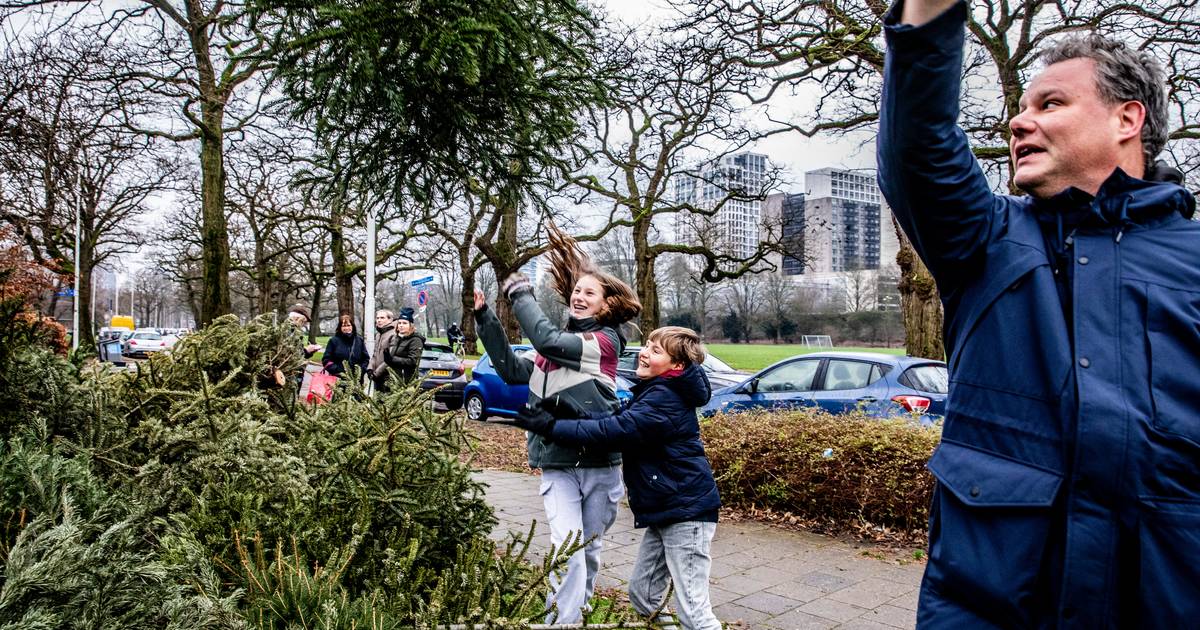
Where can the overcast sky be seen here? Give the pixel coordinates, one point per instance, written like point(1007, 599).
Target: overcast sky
point(792, 151)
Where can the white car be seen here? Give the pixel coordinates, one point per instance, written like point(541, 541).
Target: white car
point(142, 342)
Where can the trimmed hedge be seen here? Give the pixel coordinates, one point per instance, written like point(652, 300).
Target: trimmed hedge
point(850, 469)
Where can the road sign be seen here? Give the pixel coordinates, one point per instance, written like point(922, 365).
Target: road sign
point(67, 292)
point(422, 299)
point(419, 281)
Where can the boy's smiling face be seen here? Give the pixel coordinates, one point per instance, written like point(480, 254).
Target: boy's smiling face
point(654, 360)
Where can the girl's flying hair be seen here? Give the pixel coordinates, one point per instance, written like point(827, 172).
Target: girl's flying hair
point(569, 263)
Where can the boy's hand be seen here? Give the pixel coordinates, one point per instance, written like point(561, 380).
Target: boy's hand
point(538, 421)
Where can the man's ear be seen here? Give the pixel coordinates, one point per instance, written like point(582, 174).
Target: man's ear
point(1131, 117)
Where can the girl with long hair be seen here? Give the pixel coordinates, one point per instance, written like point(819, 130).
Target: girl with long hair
point(573, 373)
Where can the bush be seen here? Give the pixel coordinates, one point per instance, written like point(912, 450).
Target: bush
point(847, 470)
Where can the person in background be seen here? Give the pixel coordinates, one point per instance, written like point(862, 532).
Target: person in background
point(404, 353)
point(345, 349)
point(299, 316)
point(385, 330)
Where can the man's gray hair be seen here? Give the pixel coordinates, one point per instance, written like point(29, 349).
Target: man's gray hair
point(384, 311)
point(1122, 74)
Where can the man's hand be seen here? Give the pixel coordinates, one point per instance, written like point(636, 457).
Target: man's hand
point(537, 420)
point(480, 299)
point(311, 348)
point(918, 12)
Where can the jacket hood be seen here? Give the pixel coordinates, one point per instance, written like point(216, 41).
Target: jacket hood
point(692, 385)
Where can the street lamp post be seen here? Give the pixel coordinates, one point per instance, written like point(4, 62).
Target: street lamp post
point(75, 291)
point(369, 307)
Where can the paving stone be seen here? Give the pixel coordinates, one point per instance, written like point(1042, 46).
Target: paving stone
point(799, 620)
point(892, 616)
point(796, 591)
point(718, 595)
point(831, 609)
point(825, 582)
point(730, 613)
point(863, 624)
point(907, 601)
point(769, 575)
point(740, 584)
point(869, 593)
point(770, 603)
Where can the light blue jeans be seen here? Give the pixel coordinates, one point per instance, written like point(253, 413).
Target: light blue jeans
point(578, 499)
point(678, 553)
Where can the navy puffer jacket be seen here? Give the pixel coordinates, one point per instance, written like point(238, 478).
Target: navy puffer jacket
point(666, 471)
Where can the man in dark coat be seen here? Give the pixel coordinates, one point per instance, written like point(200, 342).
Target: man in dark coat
point(404, 355)
point(1068, 490)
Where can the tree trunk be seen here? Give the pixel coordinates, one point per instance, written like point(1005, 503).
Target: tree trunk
point(920, 304)
point(86, 338)
point(342, 277)
point(647, 283)
point(214, 235)
point(506, 248)
point(467, 298)
point(314, 324)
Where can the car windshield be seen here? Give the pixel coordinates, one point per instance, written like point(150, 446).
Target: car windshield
point(713, 364)
point(435, 355)
point(148, 335)
point(930, 378)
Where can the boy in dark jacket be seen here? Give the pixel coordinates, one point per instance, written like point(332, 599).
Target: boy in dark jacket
point(671, 488)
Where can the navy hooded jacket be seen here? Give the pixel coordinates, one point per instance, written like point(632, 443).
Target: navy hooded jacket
point(666, 471)
point(1068, 490)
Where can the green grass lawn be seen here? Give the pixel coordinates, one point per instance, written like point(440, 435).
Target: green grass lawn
point(752, 357)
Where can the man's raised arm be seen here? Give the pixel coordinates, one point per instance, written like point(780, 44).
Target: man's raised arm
point(918, 12)
point(926, 169)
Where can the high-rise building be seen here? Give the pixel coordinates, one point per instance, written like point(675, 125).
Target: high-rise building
point(726, 183)
point(837, 225)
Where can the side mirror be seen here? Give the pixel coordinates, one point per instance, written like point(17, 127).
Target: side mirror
point(749, 387)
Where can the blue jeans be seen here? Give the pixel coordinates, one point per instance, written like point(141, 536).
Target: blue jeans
point(680, 553)
point(578, 499)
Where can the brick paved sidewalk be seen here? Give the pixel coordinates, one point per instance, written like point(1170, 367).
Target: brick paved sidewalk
point(763, 576)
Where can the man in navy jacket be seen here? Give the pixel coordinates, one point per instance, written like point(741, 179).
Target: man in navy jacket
point(1068, 489)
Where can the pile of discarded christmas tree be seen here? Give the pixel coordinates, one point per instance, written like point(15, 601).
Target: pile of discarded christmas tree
point(197, 492)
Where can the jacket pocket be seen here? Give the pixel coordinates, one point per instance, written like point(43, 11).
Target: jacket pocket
point(1173, 340)
point(1169, 580)
point(656, 490)
point(989, 526)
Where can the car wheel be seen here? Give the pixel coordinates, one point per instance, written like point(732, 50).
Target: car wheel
point(475, 408)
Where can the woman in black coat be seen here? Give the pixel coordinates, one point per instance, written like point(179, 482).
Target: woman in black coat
point(345, 348)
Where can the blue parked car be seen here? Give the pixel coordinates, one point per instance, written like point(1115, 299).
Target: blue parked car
point(883, 385)
point(488, 395)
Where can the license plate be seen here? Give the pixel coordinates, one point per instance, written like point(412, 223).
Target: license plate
point(439, 372)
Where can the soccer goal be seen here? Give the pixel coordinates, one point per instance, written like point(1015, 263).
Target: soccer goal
point(818, 341)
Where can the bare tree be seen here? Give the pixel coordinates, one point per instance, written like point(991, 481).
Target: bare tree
point(674, 112)
point(63, 155)
point(835, 48)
